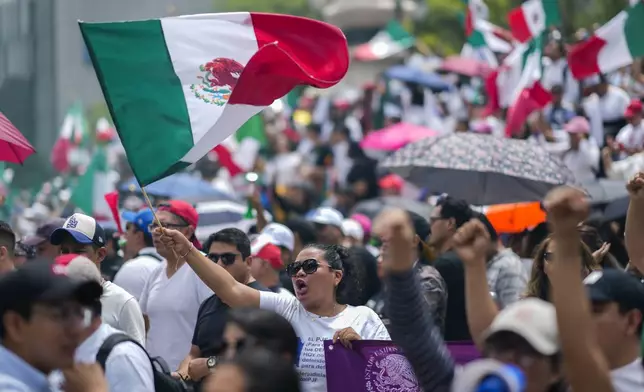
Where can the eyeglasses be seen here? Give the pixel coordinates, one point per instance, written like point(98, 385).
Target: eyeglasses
point(225, 346)
point(154, 226)
point(226, 258)
point(308, 266)
point(68, 315)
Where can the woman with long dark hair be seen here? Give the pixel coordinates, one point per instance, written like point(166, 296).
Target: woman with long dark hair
point(320, 275)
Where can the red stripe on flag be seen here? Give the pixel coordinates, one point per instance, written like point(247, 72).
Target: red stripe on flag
point(519, 25)
point(492, 91)
point(112, 200)
point(226, 160)
point(469, 22)
point(364, 53)
point(292, 51)
point(529, 100)
point(582, 58)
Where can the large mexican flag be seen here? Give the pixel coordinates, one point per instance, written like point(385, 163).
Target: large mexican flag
point(614, 45)
point(177, 87)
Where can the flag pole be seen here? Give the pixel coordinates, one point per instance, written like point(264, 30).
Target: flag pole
point(149, 203)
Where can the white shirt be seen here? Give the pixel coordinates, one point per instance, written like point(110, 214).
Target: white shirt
point(122, 311)
point(127, 368)
point(312, 330)
point(553, 75)
point(628, 378)
point(558, 147)
point(171, 306)
point(613, 104)
point(583, 162)
point(135, 272)
point(626, 168)
point(631, 136)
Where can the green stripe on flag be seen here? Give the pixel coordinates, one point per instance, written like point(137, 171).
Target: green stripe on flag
point(551, 8)
point(253, 128)
point(145, 100)
point(477, 39)
point(634, 30)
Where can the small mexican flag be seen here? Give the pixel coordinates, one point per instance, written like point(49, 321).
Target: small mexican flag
point(201, 77)
point(481, 33)
point(239, 152)
point(88, 193)
point(391, 41)
point(614, 45)
point(530, 95)
point(72, 133)
point(532, 18)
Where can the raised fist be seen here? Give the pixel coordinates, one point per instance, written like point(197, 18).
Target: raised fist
point(566, 207)
point(471, 242)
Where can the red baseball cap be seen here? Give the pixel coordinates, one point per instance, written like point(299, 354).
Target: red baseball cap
point(263, 249)
point(185, 211)
point(635, 107)
point(65, 259)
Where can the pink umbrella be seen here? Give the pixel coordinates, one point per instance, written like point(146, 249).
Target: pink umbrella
point(394, 137)
point(465, 66)
point(14, 147)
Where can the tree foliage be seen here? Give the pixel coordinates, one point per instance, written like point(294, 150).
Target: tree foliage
point(291, 7)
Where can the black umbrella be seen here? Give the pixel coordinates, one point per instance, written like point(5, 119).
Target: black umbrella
point(617, 209)
point(481, 169)
point(372, 208)
point(605, 191)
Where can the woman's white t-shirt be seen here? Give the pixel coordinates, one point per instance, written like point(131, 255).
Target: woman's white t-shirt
point(171, 306)
point(312, 330)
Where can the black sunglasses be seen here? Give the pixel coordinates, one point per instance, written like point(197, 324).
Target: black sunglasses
point(224, 346)
point(226, 258)
point(308, 266)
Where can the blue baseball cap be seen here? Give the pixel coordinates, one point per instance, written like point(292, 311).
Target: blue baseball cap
point(141, 219)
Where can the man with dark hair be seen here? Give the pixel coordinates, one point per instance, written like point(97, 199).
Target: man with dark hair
point(7, 247)
point(448, 216)
point(142, 258)
point(41, 321)
point(231, 249)
point(82, 235)
point(40, 240)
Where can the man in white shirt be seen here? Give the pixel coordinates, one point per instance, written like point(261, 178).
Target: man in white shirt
point(613, 102)
point(127, 367)
point(171, 297)
point(82, 235)
point(142, 258)
point(630, 139)
point(556, 71)
point(583, 156)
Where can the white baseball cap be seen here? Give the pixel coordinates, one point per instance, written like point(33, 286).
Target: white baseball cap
point(280, 235)
point(82, 228)
point(326, 216)
point(534, 320)
point(353, 229)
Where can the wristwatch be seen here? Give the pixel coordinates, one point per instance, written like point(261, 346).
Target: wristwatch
point(211, 362)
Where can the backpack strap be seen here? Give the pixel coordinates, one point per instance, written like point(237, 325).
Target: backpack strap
point(111, 342)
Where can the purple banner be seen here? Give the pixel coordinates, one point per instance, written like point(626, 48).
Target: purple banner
point(372, 366)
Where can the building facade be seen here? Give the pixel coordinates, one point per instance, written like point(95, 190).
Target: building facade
point(44, 65)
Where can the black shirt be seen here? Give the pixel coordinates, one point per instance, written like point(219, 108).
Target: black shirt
point(452, 271)
point(211, 321)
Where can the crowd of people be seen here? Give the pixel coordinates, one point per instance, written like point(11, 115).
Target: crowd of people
point(159, 307)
